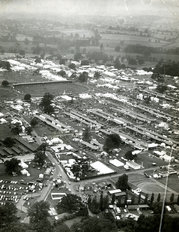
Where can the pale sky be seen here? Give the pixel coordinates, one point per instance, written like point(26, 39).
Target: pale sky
point(92, 7)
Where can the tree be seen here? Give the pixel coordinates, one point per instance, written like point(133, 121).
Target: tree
point(86, 135)
point(112, 141)
point(39, 158)
point(113, 199)
point(9, 142)
point(172, 198)
point(94, 206)
point(146, 198)
point(12, 165)
point(132, 199)
point(46, 102)
point(158, 197)
point(5, 83)
point(122, 183)
point(129, 155)
point(27, 97)
point(34, 122)
point(139, 198)
point(152, 199)
point(97, 75)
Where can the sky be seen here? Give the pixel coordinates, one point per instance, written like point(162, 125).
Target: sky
point(92, 7)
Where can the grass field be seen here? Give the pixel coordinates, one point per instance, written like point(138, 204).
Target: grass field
point(5, 131)
point(55, 89)
point(173, 182)
point(22, 76)
point(7, 93)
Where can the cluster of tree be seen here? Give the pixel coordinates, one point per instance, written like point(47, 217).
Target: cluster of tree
point(85, 62)
point(118, 64)
point(149, 223)
point(9, 142)
point(12, 166)
point(81, 168)
point(161, 88)
point(16, 128)
point(39, 158)
point(72, 204)
point(170, 68)
point(8, 219)
point(157, 77)
point(94, 224)
point(46, 102)
point(5, 65)
point(5, 83)
point(140, 49)
point(86, 136)
point(39, 214)
point(98, 56)
point(28, 130)
point(173, 51)
point(105, 222)
point(132, 61)
point(122, 183)
point(96, 206)
point(83, 77)
point(111, 142)
point(148, 69)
